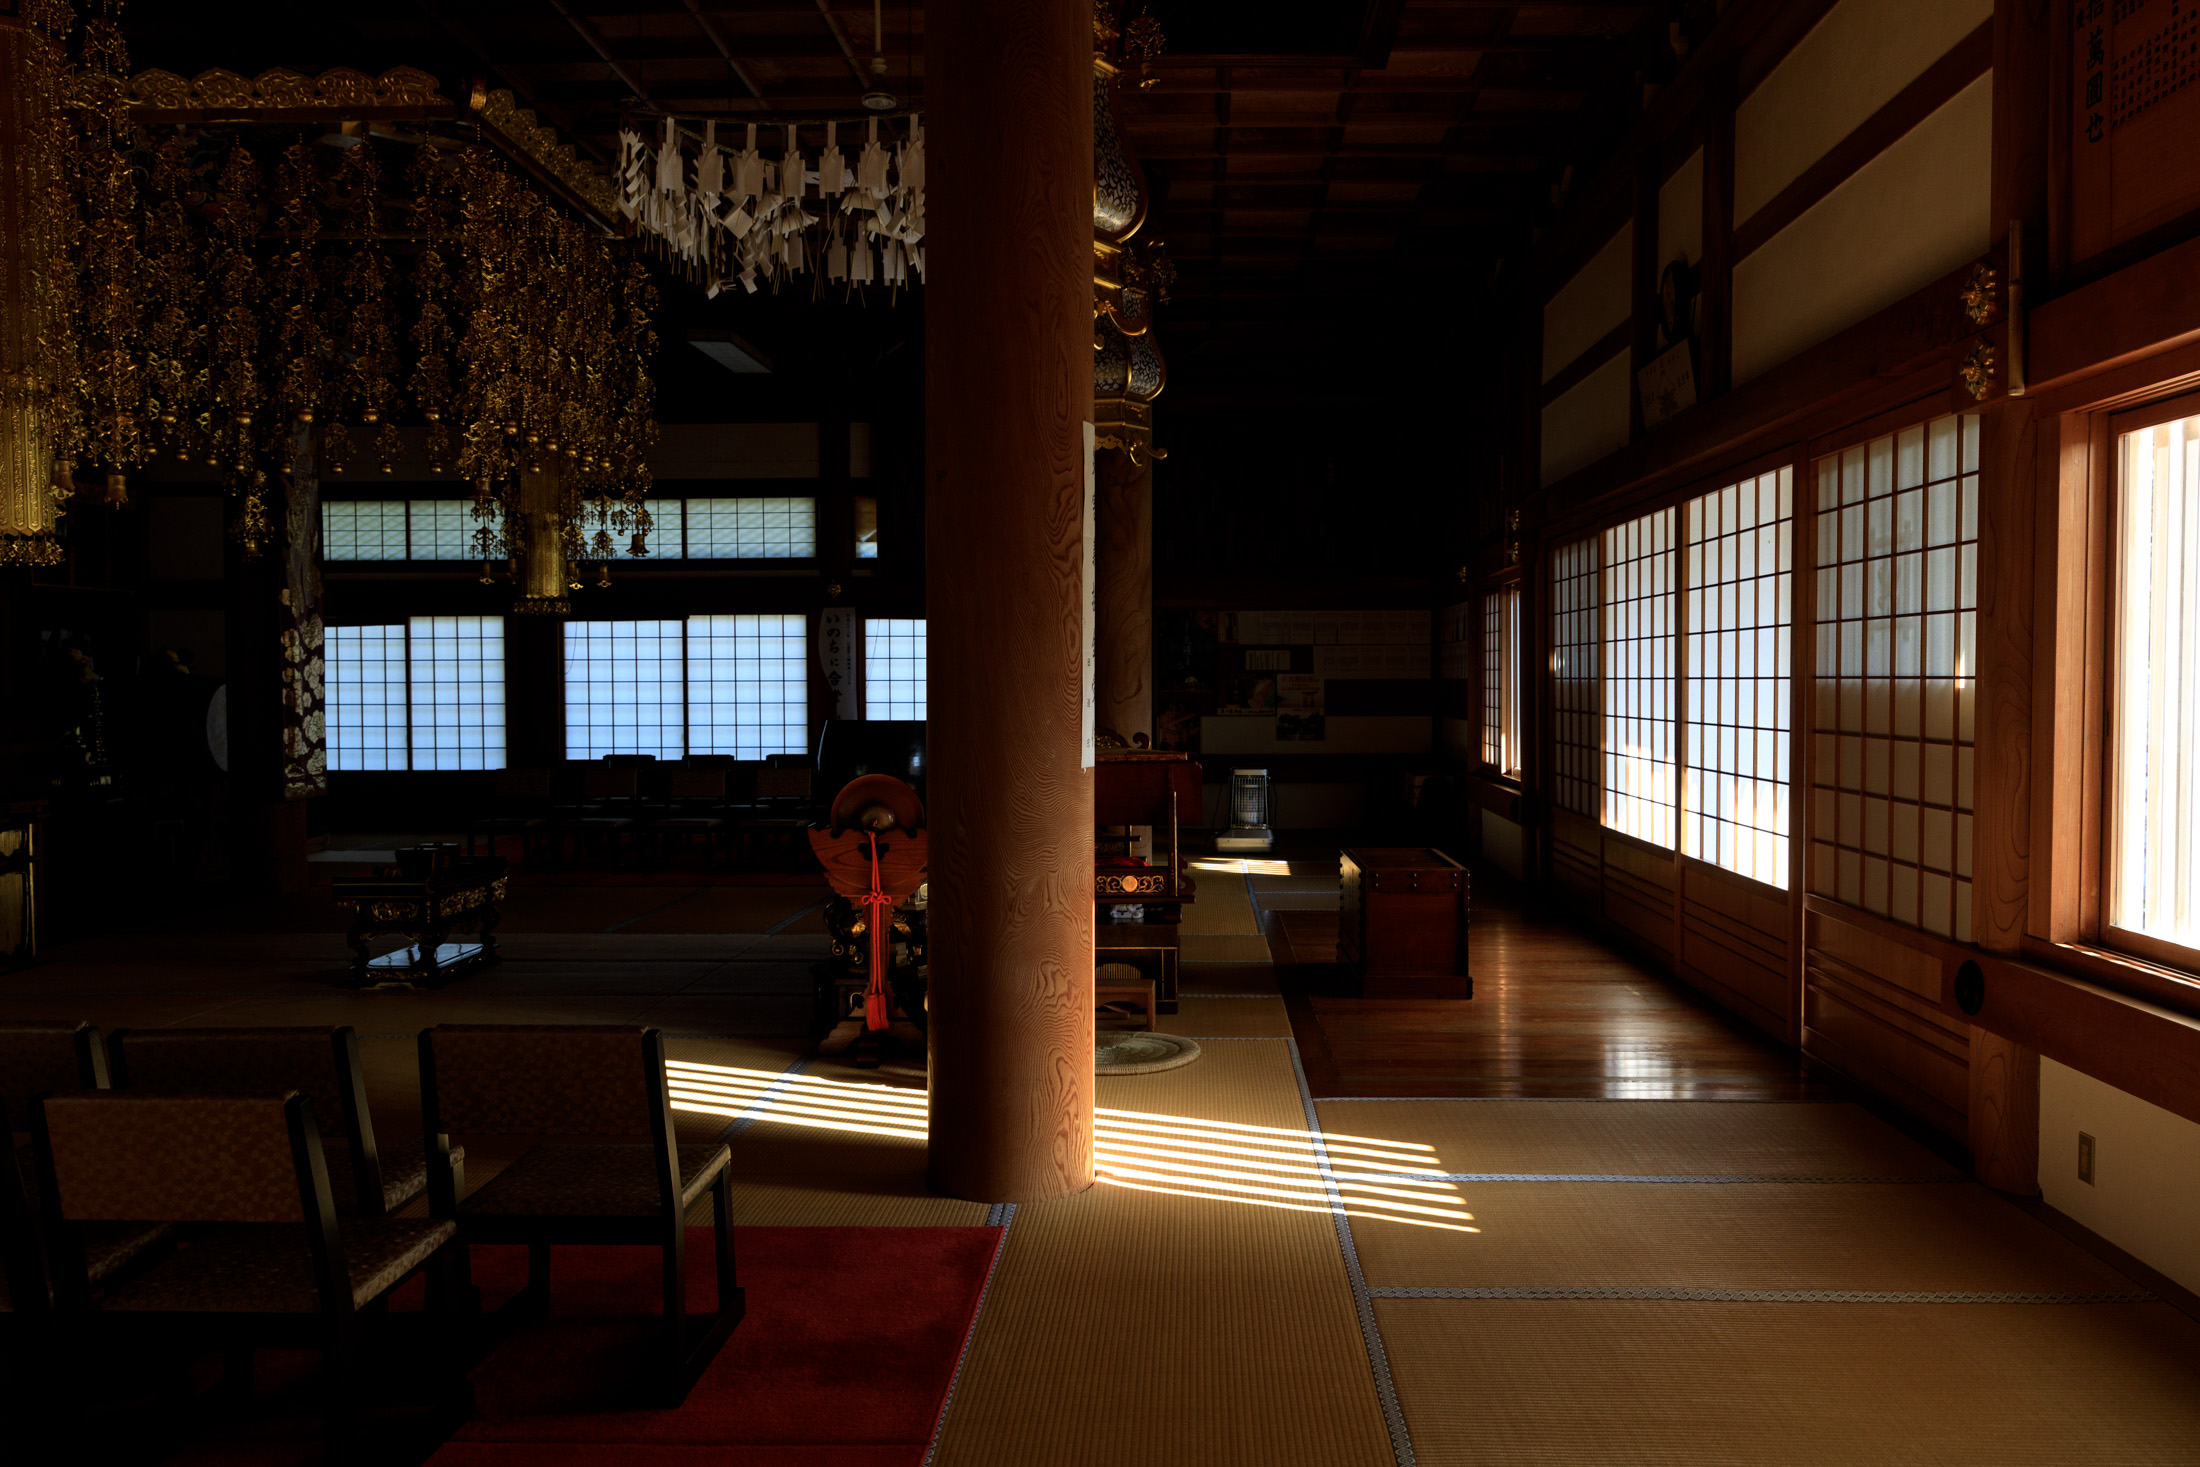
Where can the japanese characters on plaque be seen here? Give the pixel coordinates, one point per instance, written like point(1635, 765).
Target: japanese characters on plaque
point(2134, 112)
point(836, 650)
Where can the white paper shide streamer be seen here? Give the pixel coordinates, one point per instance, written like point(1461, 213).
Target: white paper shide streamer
point(739, 217)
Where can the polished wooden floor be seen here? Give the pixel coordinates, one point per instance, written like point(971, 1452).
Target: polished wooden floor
point(1556, 1014)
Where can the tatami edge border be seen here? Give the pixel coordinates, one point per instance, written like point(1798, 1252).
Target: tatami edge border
point(1765, 1179)
point(1000, 1215)
point(1781, 1296)
point(1378, 1358)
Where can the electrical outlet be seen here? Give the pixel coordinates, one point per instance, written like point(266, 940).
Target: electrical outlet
point(2085, 1158)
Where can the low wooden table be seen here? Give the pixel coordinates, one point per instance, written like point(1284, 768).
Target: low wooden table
point(1402, 922)
point(461, 898)
point(1150, 947)
point(1107, 997)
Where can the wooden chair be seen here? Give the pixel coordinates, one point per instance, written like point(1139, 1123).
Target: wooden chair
point(597, 1162)
point(45, 1057)
point(38, 1055)
point(695, 806)
point(609, 804)
point(373, 1179)
point(519, 805)
point(268, 1264)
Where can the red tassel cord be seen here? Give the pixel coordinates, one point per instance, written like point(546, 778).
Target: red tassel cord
point(880, 906)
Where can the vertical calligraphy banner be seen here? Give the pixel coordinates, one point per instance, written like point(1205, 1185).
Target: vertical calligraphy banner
point(836, 651)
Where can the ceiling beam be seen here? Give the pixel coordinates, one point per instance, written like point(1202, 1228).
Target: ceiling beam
point(840, 35)
point(549, 111)
point(588, 33)
point(709, 28)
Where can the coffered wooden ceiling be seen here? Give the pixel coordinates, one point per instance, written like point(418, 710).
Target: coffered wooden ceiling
point(1301, 153)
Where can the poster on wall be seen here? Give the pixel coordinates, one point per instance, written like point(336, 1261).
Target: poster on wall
point(1300, 717)
point(1384, 660)
point(1248, 694)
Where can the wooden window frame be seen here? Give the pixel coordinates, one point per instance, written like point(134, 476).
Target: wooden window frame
point(2076, 479)
point(2101, 829)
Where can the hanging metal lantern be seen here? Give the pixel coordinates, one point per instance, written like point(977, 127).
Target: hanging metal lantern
point(541, 549)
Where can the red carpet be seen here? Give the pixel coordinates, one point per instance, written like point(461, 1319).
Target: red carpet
point(844, 1360)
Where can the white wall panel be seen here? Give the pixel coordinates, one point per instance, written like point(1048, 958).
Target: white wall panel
point(2145, 1193)
point(1851, 64)
point(1598, 298)
point(1587, 421)
point(1680, 213)
point(1912, 214)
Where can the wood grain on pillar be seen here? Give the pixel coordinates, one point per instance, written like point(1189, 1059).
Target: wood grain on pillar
point(1125, 639)
point(1008, 390)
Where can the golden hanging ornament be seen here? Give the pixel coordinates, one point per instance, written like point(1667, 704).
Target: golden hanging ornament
point(211, 316)
point(38, 354)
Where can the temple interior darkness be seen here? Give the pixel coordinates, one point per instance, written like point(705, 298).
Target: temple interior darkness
point(1500, 768)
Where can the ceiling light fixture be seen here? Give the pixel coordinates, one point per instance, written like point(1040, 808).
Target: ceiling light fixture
point(878, 99)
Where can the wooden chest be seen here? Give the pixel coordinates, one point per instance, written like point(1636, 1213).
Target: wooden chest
point(1402, 926)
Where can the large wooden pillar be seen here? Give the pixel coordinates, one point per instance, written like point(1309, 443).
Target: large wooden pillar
point(1124, 616)
point(1008, 391)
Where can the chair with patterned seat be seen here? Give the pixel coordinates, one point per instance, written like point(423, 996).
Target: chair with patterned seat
point(585, 1116)
point(46, 1057)
point(266, 1262)
point(371, 1176)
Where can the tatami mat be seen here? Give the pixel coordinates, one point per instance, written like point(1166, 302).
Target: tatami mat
point(1897, 1237)
point(1631, 1384)
point(1203, 948)
point(728, 909)
point(1139, 1327)
point(1254, 1016)
point(1299, 901)
point(1318, 883)
point(1221, 906)
point(793, 1175)
point(1643, 1137)
point(1226, 978)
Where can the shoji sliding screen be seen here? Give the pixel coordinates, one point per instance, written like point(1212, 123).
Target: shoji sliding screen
point(748, 685)
point(1575, 635)
point(1897, 580)
point(1740, 618)
point(625, 689)
point(424, 694)
point(1639, 766)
